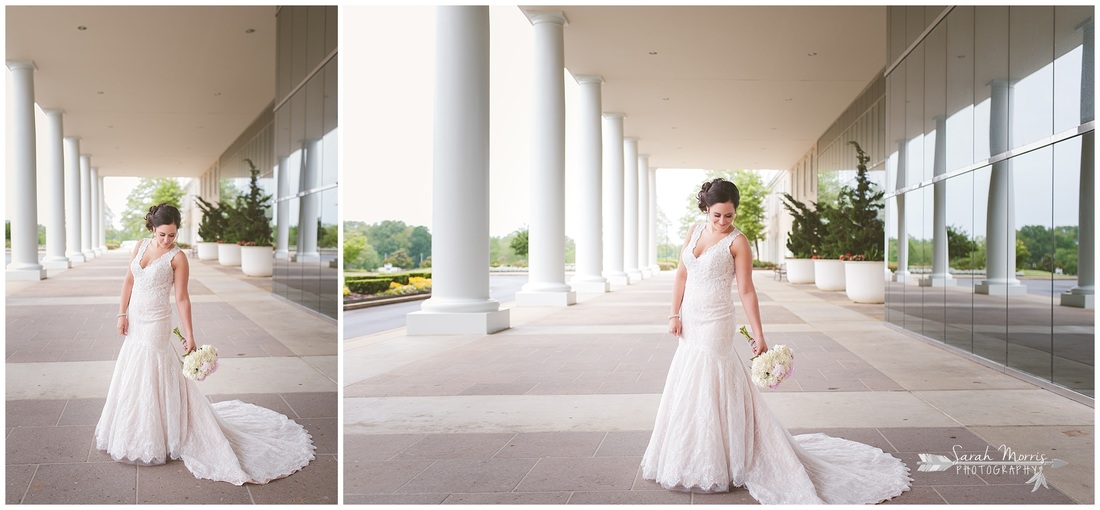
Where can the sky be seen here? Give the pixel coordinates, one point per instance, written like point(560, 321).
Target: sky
point(395, 114)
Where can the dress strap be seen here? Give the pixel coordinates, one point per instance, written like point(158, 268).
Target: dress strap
point(141, 250)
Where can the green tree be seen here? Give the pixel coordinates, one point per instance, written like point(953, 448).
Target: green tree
point(804, 240)
point(750, 211)
point(148, 192)
point(519, 242)
point(855, 225)
point(420, 243)
point(570, 250)
point(388, 236)
point(399, 258)
point(828, 187)
point(959, 245)
point(252, 210)
point(354, 245)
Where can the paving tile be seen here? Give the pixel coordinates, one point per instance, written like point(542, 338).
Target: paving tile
point(640, 387)
point(932, 439)
point(508, 498)
point(17, 480)
point(84, 483)
point(364, 447)
point(498, 389)
point(581, 474)
point(465, 475)
point(313, 404)
point(457, 446)
point(917, 495)
point(624, 444)
point(39, 356)
point(82, 411)
point(323, 432)
point(533, 445)
point(108, 354)
point(35, 445)
point(736, 496)
point(630, 498)
point(1002, 494)
point(173, 483)
point(381, 477)
point(314, 484)
point(569, 388)
point(26, 413)
point(394, 499)
point(952, 476)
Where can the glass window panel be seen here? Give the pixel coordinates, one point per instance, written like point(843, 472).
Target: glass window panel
point(330, 175)
point(895, 292)
point(282, 50)
point(914, 23)
point(935, 98)
point(1073, 28)
point(294, 268)
point(990, 66)
point(330, 253)
point(960, 88)
point(298, 54)
point(315, 110)
point(932, 310)
point(895, 127)
point(315, 38)
point(331, 12)
point(990, 311)
point(896, 16)
point(962, 248)
point(1074, 328)
point(1029, 315)
point(914, 116)
point(914, 231)
point(1031, 48)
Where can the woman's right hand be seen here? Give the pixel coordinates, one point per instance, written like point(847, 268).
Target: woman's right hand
point(675, 327)
point(123, 325)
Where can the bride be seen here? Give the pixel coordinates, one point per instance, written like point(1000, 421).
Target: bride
point(154, 413)
point(713, 428)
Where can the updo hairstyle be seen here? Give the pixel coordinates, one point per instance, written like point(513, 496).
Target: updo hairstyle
point(163, 214)
point(718, 191)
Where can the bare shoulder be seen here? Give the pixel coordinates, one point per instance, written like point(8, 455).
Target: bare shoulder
point(180, 258)
point(740, 244)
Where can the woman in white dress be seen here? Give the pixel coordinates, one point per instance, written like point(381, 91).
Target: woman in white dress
point(713, 428)
point(153, 413)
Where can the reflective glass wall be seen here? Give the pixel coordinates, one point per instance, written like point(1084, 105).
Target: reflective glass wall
point(305, 163)
point(989, 124)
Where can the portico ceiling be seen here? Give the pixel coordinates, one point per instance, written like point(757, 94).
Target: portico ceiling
point(150, 91)
point(726, 87)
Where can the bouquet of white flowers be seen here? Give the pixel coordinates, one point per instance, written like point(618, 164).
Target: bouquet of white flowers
point(200, 362)
point(772, 367)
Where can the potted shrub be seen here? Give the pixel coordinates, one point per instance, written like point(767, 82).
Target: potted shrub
point(229, 252)
point(829, 262)
point(804, 241)
point(210, 229)
point(864, 229)
point(255, 232)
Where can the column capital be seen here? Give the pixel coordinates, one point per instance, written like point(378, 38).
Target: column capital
point(588, 78)
point(21, 64)
point(644, 156)
point(73, 138)
point(633, 139)
point(53, 111)
point(614, 115)
point(536, 17)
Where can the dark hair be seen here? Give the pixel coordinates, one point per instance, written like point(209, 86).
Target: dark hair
point(718, 191)
point(163, 214)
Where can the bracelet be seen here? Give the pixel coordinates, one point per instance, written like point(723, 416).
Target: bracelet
point(674, 316)
point(121, 315)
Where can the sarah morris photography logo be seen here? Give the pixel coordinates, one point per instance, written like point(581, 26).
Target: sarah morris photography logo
point(1007, 461)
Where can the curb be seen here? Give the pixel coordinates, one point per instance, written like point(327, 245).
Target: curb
point(380, 302)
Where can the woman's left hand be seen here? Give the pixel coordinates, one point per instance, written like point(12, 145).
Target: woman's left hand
point(188, 345)
point(759, 346)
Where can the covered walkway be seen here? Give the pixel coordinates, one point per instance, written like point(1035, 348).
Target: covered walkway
point(559, 408)
point(61, 345)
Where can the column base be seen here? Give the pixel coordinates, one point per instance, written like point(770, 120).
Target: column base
point(88, 255)
point(618, 279)
point(936, 281)
point(58, 263)
point(591, 287)
point(25, 274)
point(104, 249)
point(646, 273)
point(902, 277)
point(634, 276)
point(452, 323)
point(75, 259)
point(98, 251)
point(542, 298)
point(305, 257)
point(1087, 301)
point(1000, 289)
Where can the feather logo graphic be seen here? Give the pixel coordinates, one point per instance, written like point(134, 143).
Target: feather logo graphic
point(931, 463)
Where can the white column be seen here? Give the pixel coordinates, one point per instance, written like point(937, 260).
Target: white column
point(460, 302)
point(309, 206)
point(72, 200)
point(902, 275)
point(1084, 294)
point(613, 199)
point(24, 221)
point(630, 209)
point(1000, 257)
point(651, 175)
point(642, 221)
point(282, 210)
point(102, 218)
point(86, 207)
point(588, 276)
point(546, 282)
point(55, 192)
point(940, 276)
point(97, 218)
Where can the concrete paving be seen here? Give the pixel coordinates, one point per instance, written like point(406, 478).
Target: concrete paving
point(61, 345)
point(559, 408)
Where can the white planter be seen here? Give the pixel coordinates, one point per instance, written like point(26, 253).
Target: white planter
point(800, 270)
point(828, 274)
point(207, 251)
point(229, 254)
point(864, 281)
point(257, 260)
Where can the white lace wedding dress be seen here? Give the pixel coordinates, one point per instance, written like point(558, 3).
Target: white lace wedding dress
point(154, 413)
point(714, 430)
